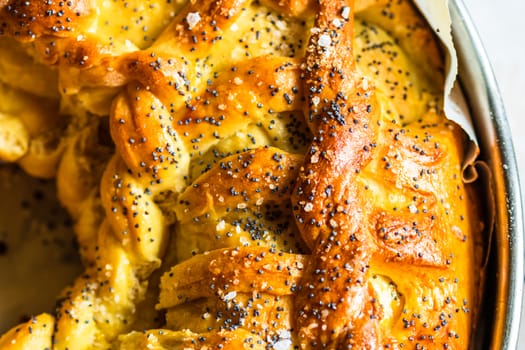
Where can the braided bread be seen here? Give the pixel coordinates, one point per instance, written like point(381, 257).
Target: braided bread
point(36, 122)
point(29, 117)
point(283, 176)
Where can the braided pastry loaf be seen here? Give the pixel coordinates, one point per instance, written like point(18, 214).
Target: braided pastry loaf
point(284, 177)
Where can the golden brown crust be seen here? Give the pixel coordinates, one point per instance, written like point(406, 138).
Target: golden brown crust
point(167, 339)
point(134, 125)
point(27, 20)
point(242, 270)
point(402, 20)
point(349, 227)
point(333, 305)
point(267, 174)
point(34, 334)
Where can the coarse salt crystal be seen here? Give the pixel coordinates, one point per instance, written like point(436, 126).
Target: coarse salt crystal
point(284, 334)
point(280, 24)
point(308, 207)
point(193, 18)
point(337, 23)
point(365, 84)
point(220, 226)
point(282, 344)
point(237, 81)
point(345, 12)
point(324, 40)
point(230, 296)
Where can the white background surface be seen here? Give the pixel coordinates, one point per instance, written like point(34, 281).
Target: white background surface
point(501, 28)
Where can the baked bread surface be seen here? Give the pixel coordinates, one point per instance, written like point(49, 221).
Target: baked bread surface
point(283, 176)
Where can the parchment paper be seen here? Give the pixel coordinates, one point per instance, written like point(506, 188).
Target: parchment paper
point(438, 16)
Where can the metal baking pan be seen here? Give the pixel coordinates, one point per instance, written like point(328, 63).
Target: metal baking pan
point(500, 317)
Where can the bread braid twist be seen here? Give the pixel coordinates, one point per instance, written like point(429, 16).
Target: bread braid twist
point(155, 143)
